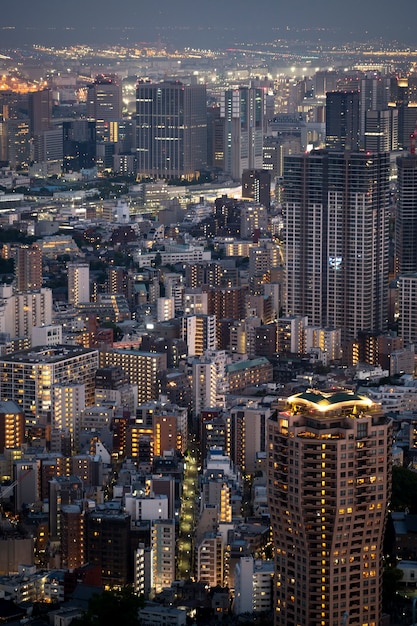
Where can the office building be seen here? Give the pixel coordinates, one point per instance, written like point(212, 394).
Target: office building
point(329, 488)
point(16, 142)
point(40, 111)
point(336, 228)
point(28, 377)
point(342, 120)
point(171, 127)
point(406, 215)
point(28, 268)
point(78, 283)
point(243, 112)
point(381, 131)
point(256, 186)
point(79, 145)
point(104, 105)
point(375, 95)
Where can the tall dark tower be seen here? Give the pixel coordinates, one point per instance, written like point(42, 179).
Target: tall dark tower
point(104, 105)
point(256, 185)
point(336, 226)
point(171, 129)
point(342, 120)
point(406, 221)
point(40, 111)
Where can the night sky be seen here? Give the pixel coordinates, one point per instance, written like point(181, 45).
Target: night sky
point(209, 23)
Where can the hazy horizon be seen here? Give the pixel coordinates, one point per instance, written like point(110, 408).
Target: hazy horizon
point(212, 24)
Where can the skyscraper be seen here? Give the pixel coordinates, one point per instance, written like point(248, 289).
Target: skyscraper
point(381, 130)
point(104, 105)
point(406, 218)
point(336, 247)
point(28, 268)
point(342, 120)
point(329, 487)
point(40, 111)
point(171, 125)
point(243, 113)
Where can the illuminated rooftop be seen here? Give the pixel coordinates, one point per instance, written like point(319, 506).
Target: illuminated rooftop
point(333, 400)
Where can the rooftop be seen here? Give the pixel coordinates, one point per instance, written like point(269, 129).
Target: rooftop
point(323, 401)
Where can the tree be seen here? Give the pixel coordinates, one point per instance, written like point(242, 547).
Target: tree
point(404, 489)
point(112, 607)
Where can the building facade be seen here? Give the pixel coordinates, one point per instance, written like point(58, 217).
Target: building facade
point(329, 488)
point(336, 239)
point(171, 127)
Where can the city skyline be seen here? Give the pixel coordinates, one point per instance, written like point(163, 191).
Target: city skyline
point(214, 24)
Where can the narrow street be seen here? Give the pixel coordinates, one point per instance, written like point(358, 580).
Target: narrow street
point(188, 515)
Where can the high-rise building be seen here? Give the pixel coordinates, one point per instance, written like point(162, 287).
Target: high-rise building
point(406, 215)
point(78, 283)
point(342, 120)
point(20, 312)
point(28, 377)
point(28, 268)
point(72, 536)
point(79, 144)
point(329, 487)
point(162, 554)
point(171, 126)
point(256, 185)
point(104, 105)
point(107, 544)
point(199, 332)
point(407, 305)
point(336, 229)
point(12, 425)
point(375, 95)
point(143, 369)
point(381, 130)
point(40, 111)
point(243, 113)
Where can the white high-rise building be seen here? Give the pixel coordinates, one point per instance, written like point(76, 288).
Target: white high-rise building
point(20, 312)
point(243, 112)
point(407, 301)
point(78, 283)
point(253, 586)
point(199, 332)
point(163, 554)
point(67, 403)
